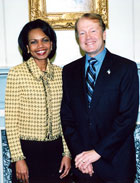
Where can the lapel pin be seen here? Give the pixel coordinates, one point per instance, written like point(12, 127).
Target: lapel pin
point(108, 71)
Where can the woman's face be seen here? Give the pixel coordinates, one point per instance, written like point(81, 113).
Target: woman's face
point(39, 44)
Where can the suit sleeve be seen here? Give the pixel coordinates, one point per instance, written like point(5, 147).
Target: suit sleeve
point(68, 124)
point(124, 123)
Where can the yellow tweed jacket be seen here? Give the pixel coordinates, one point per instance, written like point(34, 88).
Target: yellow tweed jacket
point(32, 106)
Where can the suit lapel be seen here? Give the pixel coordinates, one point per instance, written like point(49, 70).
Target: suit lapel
point(81, 81)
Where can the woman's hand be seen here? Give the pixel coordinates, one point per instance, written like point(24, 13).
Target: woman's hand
point(65, 166)
point(22, 172)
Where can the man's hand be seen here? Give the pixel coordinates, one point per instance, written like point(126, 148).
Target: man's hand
point(85, 159)
point(87, 170)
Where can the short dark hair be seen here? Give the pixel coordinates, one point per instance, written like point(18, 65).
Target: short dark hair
point(92, 16)
point(23, 37)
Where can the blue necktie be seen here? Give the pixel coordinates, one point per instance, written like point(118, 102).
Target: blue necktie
point(90, 79)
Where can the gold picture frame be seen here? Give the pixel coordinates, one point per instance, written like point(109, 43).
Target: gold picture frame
point(65, 20)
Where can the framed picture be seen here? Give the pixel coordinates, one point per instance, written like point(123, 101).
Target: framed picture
point(62, 14)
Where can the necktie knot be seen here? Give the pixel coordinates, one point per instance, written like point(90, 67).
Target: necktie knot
point(92, 61)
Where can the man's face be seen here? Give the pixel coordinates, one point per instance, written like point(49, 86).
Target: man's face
point(91, 36)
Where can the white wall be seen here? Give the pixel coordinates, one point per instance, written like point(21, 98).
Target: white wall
point(137, 30)
point(123, 35)
point(2, 36)
point(15, 15)
point(120, 36)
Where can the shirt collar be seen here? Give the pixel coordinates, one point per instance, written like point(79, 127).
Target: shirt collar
point(37, 73)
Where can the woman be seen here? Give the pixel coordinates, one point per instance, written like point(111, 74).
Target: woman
point(32, 109)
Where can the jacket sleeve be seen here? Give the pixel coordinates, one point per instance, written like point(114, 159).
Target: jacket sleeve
point(68, 123)
point(66, 151)
point(12, 99)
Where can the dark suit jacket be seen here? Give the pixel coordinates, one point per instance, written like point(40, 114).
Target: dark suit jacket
point(109, 124)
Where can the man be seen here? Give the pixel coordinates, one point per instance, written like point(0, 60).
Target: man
point(99, 122)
